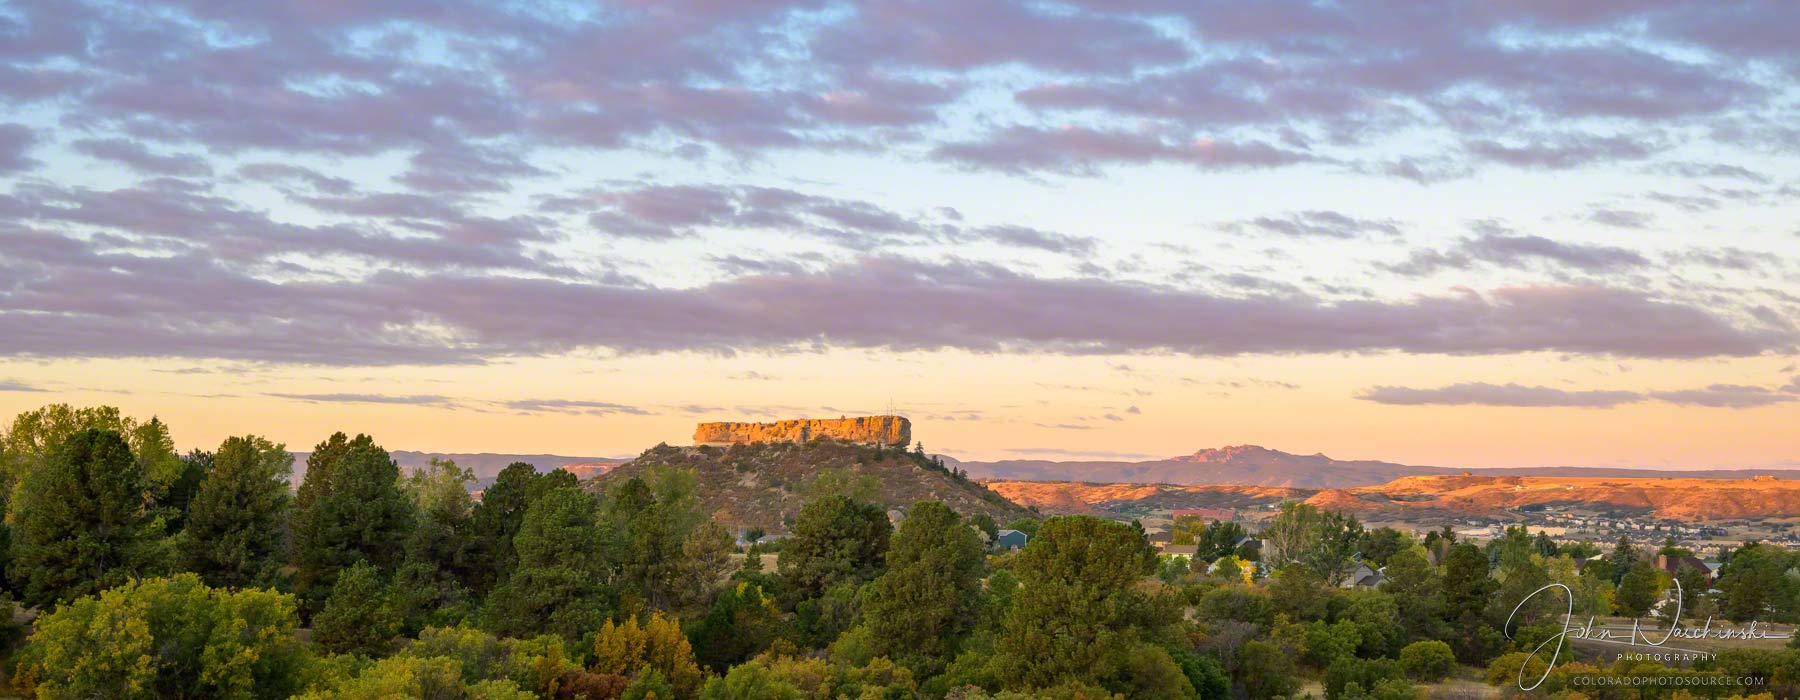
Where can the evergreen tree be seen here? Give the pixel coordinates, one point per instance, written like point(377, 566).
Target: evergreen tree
point(558, 587)
point(236, 532)
point(83, 522)
point(179, 498)
point(1079, 616)
point(357, 618)
point(1637, 590)
point(350, 508)
point(1466, 591)
point(919, 609)
point(440, 556)
point(494, 521)
point(835, 539)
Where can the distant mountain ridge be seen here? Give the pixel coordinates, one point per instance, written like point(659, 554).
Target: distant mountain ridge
point(1253, 465)
point(486, 465)
point(1248, 465)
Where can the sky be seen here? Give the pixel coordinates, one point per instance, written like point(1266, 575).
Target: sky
point(1470, 233)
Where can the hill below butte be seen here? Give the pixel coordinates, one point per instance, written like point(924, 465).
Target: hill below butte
point(764, 484)
point(1259, 466)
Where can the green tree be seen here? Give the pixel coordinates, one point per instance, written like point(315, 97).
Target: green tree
point(741, 623)
point(496, 519)
point(413, 678)
point(835, 539)
point(440, 556)
point(168, 638)
point(1380, 544)
point(1079, 616)
point(1637, 590)
point(559, 585)
point(665, 550)
point(1623, 557)
point(350, 507)
point(1428, 661)
point(1265, 671)
point(357, 618)
point(1467, 589)
point(920, 609)
point(236, 532)
point(35, 434)
point(195, 465)
point(83, 523)
point(1755, 586)
point(1323, 541)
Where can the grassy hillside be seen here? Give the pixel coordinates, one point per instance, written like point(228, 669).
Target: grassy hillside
point(765, 484)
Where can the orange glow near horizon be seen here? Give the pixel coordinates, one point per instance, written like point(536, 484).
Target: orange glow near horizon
point(970, 406)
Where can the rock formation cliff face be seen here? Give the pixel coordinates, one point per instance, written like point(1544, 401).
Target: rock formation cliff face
point(887, 430)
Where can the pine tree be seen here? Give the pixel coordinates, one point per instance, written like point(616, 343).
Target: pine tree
point(558, 586)
point(350, 508)
point(927, 600)
point(835, 539)
point(83, 522)
point(237, 523)
point(357, 618)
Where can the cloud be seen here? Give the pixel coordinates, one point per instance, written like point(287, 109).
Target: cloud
point(1515, 250)
point(74, 299)
point(1622, 218)
point(12, 385)
point(1505, 249)
point(573, 406)
point(16, 141)
point(402, 399)
point(1082, 151)
point(1515, 395)
point(1482, 394)
point(1724, 396)
point(141, 158)
point(1318, 224)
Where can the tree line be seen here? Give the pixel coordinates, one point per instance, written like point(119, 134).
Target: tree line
point(153, 574)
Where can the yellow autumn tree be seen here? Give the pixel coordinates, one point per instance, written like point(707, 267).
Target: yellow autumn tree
point(629, 648)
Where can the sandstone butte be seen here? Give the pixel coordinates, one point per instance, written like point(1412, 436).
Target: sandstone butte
point(885, 430)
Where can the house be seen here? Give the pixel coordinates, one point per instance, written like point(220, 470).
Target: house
point(1207, 514)
point(1365, 577)
point(1184, 551)
point(1161, 537)
point(1675, 565)
point(1010, 539)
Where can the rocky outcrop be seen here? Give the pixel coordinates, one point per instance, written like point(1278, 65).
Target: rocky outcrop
point(885, 430)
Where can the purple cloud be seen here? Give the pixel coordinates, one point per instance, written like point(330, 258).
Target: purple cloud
point(573, 406)
point(1510, 395)
point(1499, 247)
point(15, 141)
point(73, 300)
point(1080, 150)
point(1318, 224)
point(1514, 395)
point(1725, 396)
point(139, 157)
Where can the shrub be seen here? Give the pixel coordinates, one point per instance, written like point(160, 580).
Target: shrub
point(1428, 661)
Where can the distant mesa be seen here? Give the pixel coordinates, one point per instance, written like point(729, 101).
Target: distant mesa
point(881, 430)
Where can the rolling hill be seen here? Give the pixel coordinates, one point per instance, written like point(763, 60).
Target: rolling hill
point(1259, 466)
